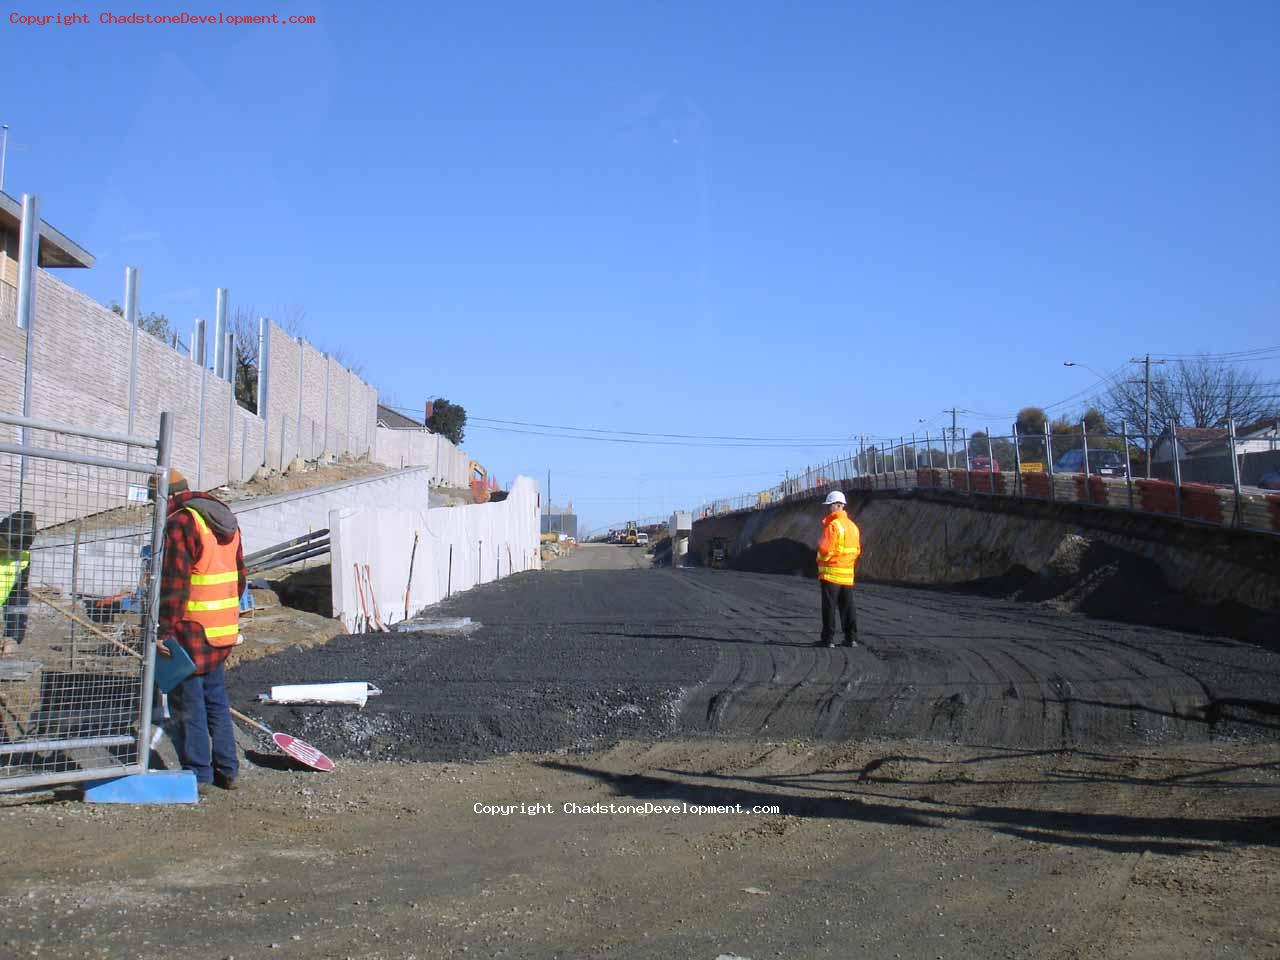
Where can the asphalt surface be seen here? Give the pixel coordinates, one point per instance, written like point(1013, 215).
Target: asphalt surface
point(579, 659)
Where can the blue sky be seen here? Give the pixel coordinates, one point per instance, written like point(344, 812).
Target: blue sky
point(765, 220)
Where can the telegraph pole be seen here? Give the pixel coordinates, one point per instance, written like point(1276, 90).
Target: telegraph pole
point(954, 431)
point(1146, 362)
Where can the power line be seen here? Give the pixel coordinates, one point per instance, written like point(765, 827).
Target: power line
point(666, 443)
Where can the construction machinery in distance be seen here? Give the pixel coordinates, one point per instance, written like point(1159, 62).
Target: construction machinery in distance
point(629, 538)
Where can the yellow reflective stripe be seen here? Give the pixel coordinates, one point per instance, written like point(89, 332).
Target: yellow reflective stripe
point(213, 579)
point(210, 632)
point(213, 604)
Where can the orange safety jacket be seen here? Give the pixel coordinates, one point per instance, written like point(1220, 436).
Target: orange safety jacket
point(214, 602)
point(839, 548)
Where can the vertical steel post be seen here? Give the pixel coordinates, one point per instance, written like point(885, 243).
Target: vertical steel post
point(302, 364)
point(158, 517)
point(1017, 461)
point(264, 382)
point(1084, 439)
point(1177, 464)
point(28, 260)
point(1128, 467)
point(991, 463)
point(968, 477)
point(1235, 471)
point(328, 369)
point(1048, 459)
point(131, 318)
point(915, 453)
point(928, 451)
point(200, 353)
point(229, 361)
point(220, 333)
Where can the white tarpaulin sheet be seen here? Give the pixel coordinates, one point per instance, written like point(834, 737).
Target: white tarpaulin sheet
point(458, 548)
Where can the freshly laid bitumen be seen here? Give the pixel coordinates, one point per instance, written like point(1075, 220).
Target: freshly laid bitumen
point(574, 659)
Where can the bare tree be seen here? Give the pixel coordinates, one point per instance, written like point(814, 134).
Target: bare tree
point(1198, 393)
point(244, 335)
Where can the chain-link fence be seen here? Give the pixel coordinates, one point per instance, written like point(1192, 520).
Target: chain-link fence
point(78, 533)
point(1094, 467)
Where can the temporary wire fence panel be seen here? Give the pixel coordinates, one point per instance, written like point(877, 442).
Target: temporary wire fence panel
point(1096, 469)
point(77, 534)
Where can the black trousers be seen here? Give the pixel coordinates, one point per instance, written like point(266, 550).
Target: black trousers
point(836, 597)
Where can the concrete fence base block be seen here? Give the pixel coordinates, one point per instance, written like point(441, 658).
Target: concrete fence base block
point(169, 786)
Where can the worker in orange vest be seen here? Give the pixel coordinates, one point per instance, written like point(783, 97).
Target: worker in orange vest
point(838, 551)
point(201, 582)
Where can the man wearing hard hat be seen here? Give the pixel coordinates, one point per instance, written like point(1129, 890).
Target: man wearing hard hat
point(838, 551)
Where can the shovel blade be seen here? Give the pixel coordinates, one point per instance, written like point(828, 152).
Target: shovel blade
point(303, 752)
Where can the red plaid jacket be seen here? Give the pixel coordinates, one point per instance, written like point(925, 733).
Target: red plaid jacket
point(181, 550)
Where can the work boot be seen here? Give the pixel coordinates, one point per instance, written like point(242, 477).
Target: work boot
point(825, 643)
point(225, 782)
point(850, 642)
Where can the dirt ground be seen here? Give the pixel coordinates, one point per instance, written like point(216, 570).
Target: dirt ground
point(880, 850)
point(981, 778)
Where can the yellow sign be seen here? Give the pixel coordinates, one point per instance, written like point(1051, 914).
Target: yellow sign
point(1032, 466)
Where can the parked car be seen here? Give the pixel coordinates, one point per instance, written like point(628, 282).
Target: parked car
point(1270, 481)
point(1102, 463)
point(642, 539)
point(984, 463)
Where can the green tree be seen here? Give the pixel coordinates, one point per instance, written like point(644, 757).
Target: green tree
point(156, 324)
point(448, 419)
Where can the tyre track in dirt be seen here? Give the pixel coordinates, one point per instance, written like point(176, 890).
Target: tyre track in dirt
point(581, 658)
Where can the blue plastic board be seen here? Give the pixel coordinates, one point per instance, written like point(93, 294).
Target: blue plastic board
point(166, 786)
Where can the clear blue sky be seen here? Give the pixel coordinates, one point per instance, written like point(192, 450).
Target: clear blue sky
point(769, 220)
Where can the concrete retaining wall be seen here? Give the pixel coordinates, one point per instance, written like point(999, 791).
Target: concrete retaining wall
point(266, 521)
point(458, 548)
point(449, 465)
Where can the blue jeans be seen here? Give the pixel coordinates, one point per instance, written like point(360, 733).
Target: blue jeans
point(201, 713)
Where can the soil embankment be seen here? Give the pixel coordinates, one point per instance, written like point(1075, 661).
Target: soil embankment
point(1132, 567)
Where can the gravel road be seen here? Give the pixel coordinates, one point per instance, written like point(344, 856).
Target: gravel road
point(583, 658)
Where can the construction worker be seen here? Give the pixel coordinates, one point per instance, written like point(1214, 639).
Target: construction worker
point(838, 551)
point(16, 533)
point(201, 581)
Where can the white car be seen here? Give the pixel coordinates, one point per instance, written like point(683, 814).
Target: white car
point(642, 539)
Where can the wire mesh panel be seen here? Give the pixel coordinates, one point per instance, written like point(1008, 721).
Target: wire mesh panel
point(78, 531)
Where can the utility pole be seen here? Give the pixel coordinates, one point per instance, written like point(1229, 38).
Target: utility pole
point(954, 432)
point(548, 500)
point(1146, 362)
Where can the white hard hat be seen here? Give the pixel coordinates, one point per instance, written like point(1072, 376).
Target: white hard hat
point(835, 496)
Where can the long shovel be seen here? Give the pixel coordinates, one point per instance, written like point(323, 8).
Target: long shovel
point(300, 750)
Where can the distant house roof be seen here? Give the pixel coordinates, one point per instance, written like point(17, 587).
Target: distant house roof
point(396, 420)
point(56, 249)
point(1192, 439)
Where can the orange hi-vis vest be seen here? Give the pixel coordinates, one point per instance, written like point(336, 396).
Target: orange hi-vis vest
point(215, 587)
point(839, 548)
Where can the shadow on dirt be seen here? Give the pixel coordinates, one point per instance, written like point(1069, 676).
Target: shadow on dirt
point(1116, 833)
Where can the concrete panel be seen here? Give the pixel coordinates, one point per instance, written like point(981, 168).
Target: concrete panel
point(458, 548)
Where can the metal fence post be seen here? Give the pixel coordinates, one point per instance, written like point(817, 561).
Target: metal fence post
point(928, 449)
point(328, 370)
point(229, 361)
point(1128, 467)
point(1177, 464)
point(131, 318)
point(264, 384)
point(1017, 462)
point(199, 333)
point(991, 463)
point(28, 259)
point(968, 476)
point(158, 517)
point(1048, 459)
point(1235, 471)
point(1084, 439)
point(219, 333)
point(302, 364)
